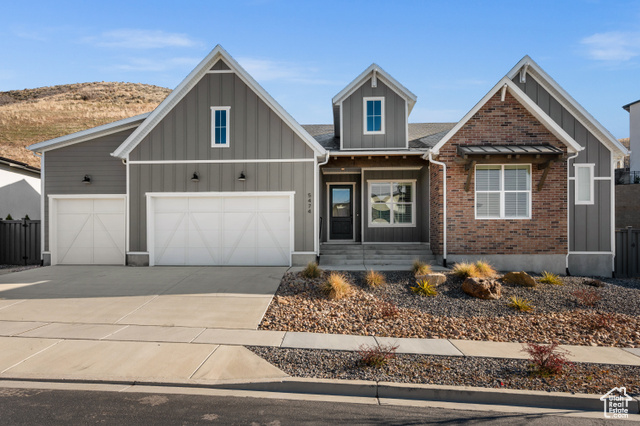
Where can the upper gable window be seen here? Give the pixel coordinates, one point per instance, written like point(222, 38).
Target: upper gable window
point(584, 183)
point(220, 127)
point(373, 115)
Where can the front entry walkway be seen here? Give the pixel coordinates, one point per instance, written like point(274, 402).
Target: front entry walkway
point(204, 297)
point(392, 257)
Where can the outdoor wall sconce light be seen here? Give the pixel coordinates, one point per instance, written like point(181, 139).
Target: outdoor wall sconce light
point(86, 179)
point(242, 177)
point(195, 177)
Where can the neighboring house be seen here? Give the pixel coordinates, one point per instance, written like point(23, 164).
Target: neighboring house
point(19, 190)
point(220, 174)
point(634, 134)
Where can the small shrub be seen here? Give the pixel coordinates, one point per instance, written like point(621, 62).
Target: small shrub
point(9, 217)
point(587, 297)
point(312, 270)
point(464, 270)
point(424, 288)
point(375, 279)
point(603, 321)
point(337, 286)
point(549, 278)
point(520, 304)
point(421, 268)
point(387, 309)
point(484, 269)
point(547, 360)
point(376, 356)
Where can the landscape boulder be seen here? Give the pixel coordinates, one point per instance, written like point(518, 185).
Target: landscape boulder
point(520, 278)
point(594, 283)
point(482, 288)
point(433, 279)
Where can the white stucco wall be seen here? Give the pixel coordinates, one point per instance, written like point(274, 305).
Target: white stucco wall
point(19, 195)
point(634, 119)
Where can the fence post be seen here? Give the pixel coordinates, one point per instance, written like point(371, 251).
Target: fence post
point(629, 257)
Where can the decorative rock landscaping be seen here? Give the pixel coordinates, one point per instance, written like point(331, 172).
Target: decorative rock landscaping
point(452, 371)
point(394, 310)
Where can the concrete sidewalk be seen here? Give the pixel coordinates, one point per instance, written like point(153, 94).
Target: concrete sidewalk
point(210, 337)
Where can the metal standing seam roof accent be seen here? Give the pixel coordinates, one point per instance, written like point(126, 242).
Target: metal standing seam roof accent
point(509, 150)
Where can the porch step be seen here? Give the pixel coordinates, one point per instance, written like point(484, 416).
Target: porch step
point(374, 254)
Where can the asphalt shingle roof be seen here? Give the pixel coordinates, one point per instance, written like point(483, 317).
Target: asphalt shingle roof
point(421, 135)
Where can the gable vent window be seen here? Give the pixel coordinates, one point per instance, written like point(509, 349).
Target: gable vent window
point(503, 191)
point(220, 127)
point(373, 115)
point(584, 183)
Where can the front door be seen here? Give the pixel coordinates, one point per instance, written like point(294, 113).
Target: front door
point(341, 212)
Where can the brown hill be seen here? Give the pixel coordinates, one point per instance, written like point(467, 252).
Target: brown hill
point(34, 115)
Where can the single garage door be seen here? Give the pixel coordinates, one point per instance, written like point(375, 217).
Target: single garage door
point(232, 229)
point(88, 231)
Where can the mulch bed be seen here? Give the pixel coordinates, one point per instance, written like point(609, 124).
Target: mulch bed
point(393, 310)
point(452, 371)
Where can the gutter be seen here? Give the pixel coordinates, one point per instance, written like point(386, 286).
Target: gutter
point(316, 236)
point(444, 202)
point(566, 262)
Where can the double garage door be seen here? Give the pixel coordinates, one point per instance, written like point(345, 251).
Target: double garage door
point(229, 229)
point(199, 229)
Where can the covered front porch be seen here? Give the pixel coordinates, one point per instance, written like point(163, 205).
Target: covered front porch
point(374, 200)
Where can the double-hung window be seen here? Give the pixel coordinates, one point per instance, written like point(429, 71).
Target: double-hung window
point(373, 115)
point(220, 127)
point(392, 203)
point(584, 183)
point(503, 191)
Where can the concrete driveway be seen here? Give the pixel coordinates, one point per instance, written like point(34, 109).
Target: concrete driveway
point(103, 296)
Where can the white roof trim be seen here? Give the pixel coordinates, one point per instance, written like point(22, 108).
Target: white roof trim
point(364, 153)
point(85, 135)
point(382, 75)
point(190, 81)
point(534, 109)
point(581, 114)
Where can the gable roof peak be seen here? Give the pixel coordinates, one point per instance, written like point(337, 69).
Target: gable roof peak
point(569, 103)
point(189, 83)
point(386, 78)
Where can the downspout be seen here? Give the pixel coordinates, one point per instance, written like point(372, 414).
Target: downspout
point(444, 202)
point(613, 219)
point(316, 232)
point(566, 262)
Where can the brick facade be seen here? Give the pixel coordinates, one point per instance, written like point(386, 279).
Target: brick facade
point(502, 123)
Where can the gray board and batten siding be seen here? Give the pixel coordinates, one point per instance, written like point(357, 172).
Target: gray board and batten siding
point(395, 119)
point(590, 225)
point(65, 168)
point(256, 132)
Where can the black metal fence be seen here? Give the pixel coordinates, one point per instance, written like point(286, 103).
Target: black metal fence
point(627, 253)
point(627, 177)
point(20, 242)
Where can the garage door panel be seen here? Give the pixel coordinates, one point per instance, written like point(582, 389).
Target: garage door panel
point(206, 205)
point(76, 255)
point(108, 206)
point(222, 230)
point(107, 255)
point(74, 206)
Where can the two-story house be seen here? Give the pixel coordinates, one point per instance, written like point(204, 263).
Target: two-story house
point(220, 174)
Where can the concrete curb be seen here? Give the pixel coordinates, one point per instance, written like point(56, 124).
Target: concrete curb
point(379, 390)
point(455, 394)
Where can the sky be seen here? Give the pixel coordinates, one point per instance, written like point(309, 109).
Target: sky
point(449, 53)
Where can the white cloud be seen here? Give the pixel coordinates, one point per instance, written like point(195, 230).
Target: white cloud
point(267, 70)
point(141, 39)
point(613, 46)
point(156, 65)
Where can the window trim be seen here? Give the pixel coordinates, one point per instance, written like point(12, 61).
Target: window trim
point(502, 192)
point(364, 115)
point(591, 199)
point(227, 126)
point(413, 203)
